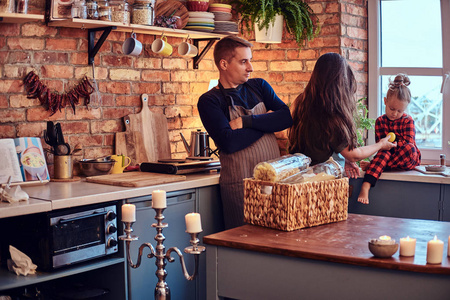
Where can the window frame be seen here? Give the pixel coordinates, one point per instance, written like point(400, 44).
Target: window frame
point(376, 71)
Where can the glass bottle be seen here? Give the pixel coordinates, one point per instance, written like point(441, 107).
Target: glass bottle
point(142, 12)
point(92, 10)
point(22, 6)
point(120, 12)
point(104, 10)
point(79, 9)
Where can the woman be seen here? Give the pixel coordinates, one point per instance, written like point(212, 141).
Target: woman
point(323, 116)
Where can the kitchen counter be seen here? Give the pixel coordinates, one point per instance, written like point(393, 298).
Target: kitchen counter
point(330, 261)
point(58, 195)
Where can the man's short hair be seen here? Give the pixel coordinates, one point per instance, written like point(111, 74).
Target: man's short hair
point(224, 48)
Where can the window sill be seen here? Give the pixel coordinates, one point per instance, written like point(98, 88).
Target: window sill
point(413, 176)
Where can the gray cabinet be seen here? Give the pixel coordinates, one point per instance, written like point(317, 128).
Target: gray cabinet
point(402, 199)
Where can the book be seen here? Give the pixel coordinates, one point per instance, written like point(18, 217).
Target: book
point(23, 160)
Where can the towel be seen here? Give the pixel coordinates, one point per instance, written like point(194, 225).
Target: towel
point(20, 263)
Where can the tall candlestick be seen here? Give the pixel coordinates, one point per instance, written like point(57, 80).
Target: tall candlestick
point(128, 213)
point(407, 246)
point(435, 250)
point(193, 223)
point(159, 199)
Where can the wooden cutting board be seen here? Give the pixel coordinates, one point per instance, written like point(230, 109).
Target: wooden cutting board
point(154, 130)
point(135, 179)
point(167, 7)
point(131, 143)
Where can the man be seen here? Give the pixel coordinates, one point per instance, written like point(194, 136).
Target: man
point(236, 116)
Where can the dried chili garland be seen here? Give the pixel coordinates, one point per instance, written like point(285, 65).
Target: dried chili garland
point(54, 101)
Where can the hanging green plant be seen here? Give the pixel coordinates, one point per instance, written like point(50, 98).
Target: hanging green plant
point(299, 18)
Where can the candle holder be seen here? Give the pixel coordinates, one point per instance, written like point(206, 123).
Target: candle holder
point(383, 248)
point(162, 290)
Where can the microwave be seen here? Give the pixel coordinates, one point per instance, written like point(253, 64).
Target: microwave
point(62, 237)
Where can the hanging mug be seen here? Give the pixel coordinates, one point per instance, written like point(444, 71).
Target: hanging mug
point(162, 47)
point(187, 50)
point(132, 46)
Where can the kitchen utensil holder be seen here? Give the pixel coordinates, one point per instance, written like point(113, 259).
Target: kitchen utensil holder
point(162, 290)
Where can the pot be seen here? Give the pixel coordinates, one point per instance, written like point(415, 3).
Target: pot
point(199, 146)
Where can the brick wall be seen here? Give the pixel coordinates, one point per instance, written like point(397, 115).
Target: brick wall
point(59, 56)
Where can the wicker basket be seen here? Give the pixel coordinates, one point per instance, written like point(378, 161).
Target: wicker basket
point(293, 206)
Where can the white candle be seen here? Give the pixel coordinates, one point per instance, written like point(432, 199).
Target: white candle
point(385, 238)
point(128, 213)
point(193, 223)
point(407, 246)
point(435, 249)
point(159, 199)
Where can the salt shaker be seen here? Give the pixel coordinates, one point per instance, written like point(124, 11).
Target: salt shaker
point(442, 158)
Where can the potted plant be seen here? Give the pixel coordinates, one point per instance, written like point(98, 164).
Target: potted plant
point(298, 16)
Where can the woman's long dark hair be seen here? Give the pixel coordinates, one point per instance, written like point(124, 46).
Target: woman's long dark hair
point(325, 109)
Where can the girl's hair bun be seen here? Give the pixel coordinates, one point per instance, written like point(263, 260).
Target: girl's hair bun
point(399, 80)
point(399, 87)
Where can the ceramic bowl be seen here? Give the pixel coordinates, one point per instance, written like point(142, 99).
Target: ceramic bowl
point(383, 251)
point(197, 5)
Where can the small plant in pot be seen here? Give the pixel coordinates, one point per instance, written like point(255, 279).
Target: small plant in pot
point(298, 16)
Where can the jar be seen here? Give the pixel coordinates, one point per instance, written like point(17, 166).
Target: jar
point(104, 10)
point(442, 159)
point(22, 6)
point(142, 12)
point(120, 12)
point(277, 169)
point(92, 10)
point(79, 9)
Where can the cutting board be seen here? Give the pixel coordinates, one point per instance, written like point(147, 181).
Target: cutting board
point(167, 7)
point(135, 179)
point(154, 129)
point(424, 170)
point(131, 143)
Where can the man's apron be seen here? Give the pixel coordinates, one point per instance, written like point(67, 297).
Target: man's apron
point(239, 165)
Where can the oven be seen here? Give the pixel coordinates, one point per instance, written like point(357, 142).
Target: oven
point(63, 237)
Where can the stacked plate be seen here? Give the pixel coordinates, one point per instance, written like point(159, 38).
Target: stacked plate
point(227, 27)
point(220, 7)
point(222, 16)
point(201, 21)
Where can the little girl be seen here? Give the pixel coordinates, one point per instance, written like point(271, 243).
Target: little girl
point(406, 155)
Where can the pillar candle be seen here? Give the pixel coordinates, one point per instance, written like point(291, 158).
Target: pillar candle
point(159, 199)
point(407, 246)
point(435, 249)
point(193, 223)
point(128, 213)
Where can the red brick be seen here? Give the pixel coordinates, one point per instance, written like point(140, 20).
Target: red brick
point(355, 32)
point(357, 55)
point(38, 30)
point(83, 137)
point(146, 88)
point(184, 99)
point(7, 131)
point(320, 42)
point(39, 113)
point(178, 111)
point(2, 42)
point(9, 29)
point(302, 54)
point(269, 55)
point(356, 10)
point(32, 129)
point(51, 57)
point(117, 61)
point(61, 44)
point(155, 75)
point(99, 151)
point(19, 57)
point(122, 100)
point(78, 58)
point(21, 101)
point(161, 99)
point(57, 71)
point(66, 32)
point(116, 113)
point(25, 44)
point(83, 113)
point(175, 87)
point(332, 8)
point(328, 19)
point(174, 63)
point(316, 7)
point(148, 63)
point(103, 126)
point(11, 86)
point(333, 29)
point(114, 87)
point(354, 43)
point(355, 21)
point(12, 115)
point(297, 77)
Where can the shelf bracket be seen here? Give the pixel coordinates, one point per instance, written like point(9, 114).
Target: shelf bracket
point(205, 50)
point(92, 47)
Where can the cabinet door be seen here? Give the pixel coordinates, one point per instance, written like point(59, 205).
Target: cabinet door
point(401, 199)
point(445, 198)
point(142, 281)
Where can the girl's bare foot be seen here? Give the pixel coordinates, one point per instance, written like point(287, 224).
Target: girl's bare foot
point(364, 193)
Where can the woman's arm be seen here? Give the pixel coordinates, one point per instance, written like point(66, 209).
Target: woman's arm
point(366, 151)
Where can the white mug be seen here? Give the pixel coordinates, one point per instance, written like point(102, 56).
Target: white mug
point(162, 47)
point(188, 50)
point(132, 46)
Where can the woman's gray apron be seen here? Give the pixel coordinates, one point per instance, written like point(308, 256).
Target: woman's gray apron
point(239, 165)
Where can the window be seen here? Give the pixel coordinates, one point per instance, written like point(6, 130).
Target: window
point(413, 37)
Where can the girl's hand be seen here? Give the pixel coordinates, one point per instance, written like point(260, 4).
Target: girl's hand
point(385, 144)
point(351, 169)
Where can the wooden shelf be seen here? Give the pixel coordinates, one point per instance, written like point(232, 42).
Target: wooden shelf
point(91, 24)
point(19, 18)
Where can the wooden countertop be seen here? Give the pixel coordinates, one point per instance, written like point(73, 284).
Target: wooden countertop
point(57, 195)
point(343, 242)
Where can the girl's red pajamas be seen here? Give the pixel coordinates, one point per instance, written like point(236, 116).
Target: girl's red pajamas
point(405, 156)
